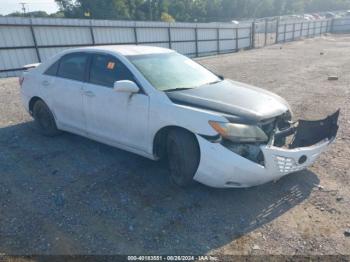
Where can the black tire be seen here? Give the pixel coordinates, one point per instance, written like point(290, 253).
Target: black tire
point(44, 119)
point(183, 157)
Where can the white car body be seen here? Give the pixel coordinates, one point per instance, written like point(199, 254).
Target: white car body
point(132, 122)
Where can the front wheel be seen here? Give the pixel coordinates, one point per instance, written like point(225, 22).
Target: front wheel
point(183, 157)
point(44, 119)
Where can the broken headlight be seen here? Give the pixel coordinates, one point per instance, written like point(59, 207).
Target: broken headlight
point(239, 133)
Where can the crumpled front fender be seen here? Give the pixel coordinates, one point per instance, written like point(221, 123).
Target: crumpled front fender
point(222, 168)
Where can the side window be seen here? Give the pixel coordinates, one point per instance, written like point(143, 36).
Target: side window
point(105, 70)
point(52, 70)
point(72, 66)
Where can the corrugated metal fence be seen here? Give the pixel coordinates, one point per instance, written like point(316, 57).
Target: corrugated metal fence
point(31, 40)
point(270, 31)
point(341, 25)
point(24, 40)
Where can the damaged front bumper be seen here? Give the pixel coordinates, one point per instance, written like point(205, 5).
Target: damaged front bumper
point(220, 167)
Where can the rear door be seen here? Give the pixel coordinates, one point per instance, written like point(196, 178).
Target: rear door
point(65, 90)
point(114, 116)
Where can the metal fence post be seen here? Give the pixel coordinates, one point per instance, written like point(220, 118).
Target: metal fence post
point(253, 35)
point(265, 40)
point(301, 29)
point(218, 39)
point(236, 38)
point(169, 37)
point(284, 32)
point(34, 40)
point(135, 35)
point(277, 29)
point(293, 33)
point(196, 39)
point(331, 28)
point(92, 32)
point(308, 29)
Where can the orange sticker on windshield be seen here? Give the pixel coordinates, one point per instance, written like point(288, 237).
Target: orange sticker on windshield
point(111, 65)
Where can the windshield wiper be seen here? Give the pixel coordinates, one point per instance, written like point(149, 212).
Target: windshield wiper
point(186, 88)
point(214, 82)
point(178, 89)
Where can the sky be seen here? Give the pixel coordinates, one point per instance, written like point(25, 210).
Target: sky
point(10, 6)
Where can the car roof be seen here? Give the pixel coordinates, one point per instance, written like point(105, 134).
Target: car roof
point(125, 50)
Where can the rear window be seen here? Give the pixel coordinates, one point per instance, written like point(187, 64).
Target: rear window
point(52, 70)
point(73, 66)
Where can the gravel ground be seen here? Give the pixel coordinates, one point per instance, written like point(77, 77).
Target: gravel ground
point(70, 195)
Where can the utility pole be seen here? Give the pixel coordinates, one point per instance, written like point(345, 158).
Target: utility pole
point(23, 7)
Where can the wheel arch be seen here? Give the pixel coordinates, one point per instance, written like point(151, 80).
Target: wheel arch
point(32, 101)
point(159, 140)
point(35, 99)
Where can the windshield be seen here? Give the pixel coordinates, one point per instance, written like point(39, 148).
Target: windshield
point(172, 71)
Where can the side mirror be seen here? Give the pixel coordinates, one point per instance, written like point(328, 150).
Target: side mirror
point(126, 86)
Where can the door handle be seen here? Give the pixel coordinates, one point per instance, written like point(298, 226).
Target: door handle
point(89, 93)
point(45, 83)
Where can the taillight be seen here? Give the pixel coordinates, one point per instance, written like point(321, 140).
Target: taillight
point(20, 80)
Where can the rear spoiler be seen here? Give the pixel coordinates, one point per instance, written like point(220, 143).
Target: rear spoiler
point(30, 66)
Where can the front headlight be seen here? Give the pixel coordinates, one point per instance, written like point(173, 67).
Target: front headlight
point(239, 132)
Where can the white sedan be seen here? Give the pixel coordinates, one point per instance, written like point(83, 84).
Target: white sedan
point(159, 104)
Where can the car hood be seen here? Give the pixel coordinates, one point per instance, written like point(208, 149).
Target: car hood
point(241, 102)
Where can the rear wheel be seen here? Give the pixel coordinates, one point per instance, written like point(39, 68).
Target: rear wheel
point(183, 157)
point(44, 119)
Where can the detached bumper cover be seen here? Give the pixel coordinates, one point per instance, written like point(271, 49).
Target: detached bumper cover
point(309, 133)
point(219, 167)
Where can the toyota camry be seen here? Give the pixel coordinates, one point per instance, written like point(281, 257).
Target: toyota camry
point(159, 104)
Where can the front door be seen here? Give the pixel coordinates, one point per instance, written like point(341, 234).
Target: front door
point(114, 116)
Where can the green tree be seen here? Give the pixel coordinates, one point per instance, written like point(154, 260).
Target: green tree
point(322, 5)
point(199, 11)
point(180, 10)
point(194, 10)
point(165, 17)
point(101, 9)
point(30, 14)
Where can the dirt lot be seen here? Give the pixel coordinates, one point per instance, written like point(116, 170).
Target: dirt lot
point(70, 195)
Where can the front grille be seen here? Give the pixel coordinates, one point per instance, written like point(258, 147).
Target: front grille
point(287, 164)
